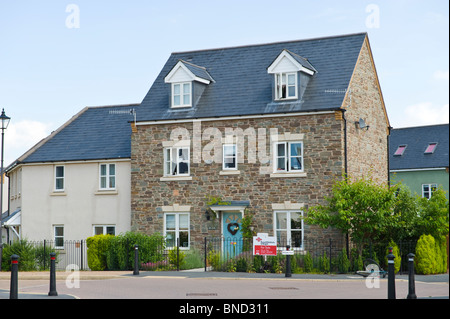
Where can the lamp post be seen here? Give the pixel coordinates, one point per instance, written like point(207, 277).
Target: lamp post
point(4, 125)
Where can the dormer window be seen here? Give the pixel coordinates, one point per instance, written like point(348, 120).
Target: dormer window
point(181, 94)
point(185, 79)
point(286, 86)
point(287, 69)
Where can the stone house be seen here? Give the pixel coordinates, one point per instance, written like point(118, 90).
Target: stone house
point(260, 129)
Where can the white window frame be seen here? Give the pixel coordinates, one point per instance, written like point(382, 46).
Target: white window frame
point(56, 237)
point(224, 157)
point(168, 159)
point(182, 94)
point(107, 176)
point(287, 158)
point(432, 187)
point(279, 86)
point(177, 229)
point(288, 229)
point(104, 229)
point(61, 178)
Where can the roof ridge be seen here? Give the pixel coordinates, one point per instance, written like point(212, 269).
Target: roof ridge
point(112, 105)
point(271, 43)
point(419, 126)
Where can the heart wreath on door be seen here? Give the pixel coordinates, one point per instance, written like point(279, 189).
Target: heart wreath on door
point(233, 228)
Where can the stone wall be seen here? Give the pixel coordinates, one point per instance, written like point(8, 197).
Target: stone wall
point(367, 150)
point(323, 162)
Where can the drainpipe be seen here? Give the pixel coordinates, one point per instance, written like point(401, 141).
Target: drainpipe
point(346, 171)
point(388, 161)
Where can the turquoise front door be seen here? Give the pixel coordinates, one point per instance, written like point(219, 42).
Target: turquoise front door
point(232, 234)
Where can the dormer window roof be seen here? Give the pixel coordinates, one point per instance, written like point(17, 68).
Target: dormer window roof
point(288, 61)
point(185, 71)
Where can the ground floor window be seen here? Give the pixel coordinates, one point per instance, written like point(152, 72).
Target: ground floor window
point(104, 230)
point(176, 227)
point(289, 228)
point(58, 235)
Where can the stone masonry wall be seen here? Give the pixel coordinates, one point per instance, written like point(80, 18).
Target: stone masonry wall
point(323, 162)
point(367, 151)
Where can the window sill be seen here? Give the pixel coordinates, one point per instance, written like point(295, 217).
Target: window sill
point(175, 178)
point(63, 193)
point(106, 192)
point(229, 172)
point(288, 175)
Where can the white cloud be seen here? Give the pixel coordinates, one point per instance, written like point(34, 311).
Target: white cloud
point(424, 114)
point(441, 75)
point(21, 136)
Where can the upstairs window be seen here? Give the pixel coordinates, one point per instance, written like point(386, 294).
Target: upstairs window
point(431, 148)
point(59, 178)
point(107, 176)
point(176, 161)
point(400, 150)
point(286, 86)
point(288, 157)
point(181, 94)
point(229, 157)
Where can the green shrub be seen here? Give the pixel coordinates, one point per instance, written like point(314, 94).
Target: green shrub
point(121, 250)
point(343, 263)
point(176, 258)
point(308, 263)
point(324, 263)
point(425, 258)
point(98, 246)
point(396, 253)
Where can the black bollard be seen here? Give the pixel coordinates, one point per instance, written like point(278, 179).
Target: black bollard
point(136, 260)
point(391, 275)
point(411, 283)
point(53, 291)
point(14, 285)
point(288, 263)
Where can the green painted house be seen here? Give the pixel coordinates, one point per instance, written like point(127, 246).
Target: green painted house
point(418, 157)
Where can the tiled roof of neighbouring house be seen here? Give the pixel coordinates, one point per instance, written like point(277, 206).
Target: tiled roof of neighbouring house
point(94, 133)
point(415, 141)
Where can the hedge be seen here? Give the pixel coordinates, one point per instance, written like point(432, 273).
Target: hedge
point(431, 255)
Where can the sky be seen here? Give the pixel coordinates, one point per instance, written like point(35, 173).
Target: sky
point(58, 56)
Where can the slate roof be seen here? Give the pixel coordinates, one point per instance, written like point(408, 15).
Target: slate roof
point(94, 133)
point(243, 87)
point(417, 140)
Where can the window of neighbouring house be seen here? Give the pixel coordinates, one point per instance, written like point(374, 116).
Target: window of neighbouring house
point(288, 157)
point(428, 190)
point(176, 161)
point(400, 150)
point(59, 178)
point(430, 148)
point(107, 176)
point(181, 94)
point(289, 228)
point(229, 157)
point(58, 232)
point(104, 230)
point(176, 228)
point(285, 86)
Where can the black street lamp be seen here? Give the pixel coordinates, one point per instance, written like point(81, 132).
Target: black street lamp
point(4, 125)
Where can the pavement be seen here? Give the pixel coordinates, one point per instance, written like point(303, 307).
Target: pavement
point(39, 290)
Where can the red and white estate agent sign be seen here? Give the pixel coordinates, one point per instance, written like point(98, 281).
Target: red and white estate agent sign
point(264, 245)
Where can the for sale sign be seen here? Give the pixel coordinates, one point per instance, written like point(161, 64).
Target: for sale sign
point(264, 245)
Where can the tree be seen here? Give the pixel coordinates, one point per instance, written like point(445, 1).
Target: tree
point(433, 215)
point(363, 209)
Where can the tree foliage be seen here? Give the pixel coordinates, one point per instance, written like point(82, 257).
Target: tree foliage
point(367, 210)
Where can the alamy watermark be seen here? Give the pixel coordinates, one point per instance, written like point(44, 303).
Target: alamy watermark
point(373, 19)
point(73, 19)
